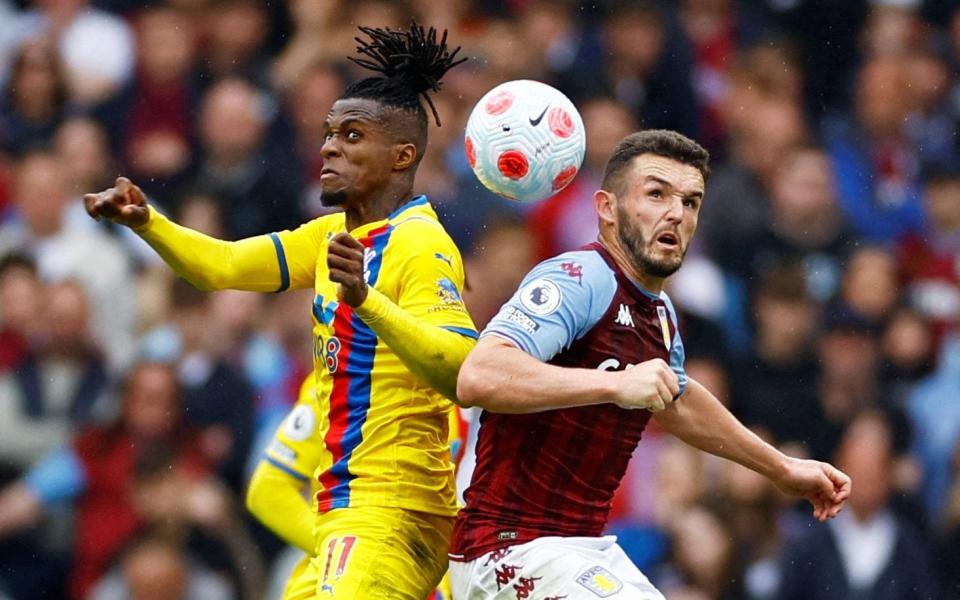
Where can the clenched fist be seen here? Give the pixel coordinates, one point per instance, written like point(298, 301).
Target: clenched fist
point(345, 261)
point(124, 203)
point(651, 385)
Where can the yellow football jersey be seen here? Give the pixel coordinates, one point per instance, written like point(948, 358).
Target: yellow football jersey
point(384, 432)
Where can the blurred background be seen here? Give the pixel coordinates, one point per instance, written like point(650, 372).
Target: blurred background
point(820, 300)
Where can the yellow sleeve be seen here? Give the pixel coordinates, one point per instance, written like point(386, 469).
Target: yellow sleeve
point(428, 327)
point(265, 263)
point(276, 496)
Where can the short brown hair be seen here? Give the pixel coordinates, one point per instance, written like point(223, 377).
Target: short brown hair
point(661, 142)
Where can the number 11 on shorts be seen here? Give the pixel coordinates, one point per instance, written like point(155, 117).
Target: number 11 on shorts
point(344, 545)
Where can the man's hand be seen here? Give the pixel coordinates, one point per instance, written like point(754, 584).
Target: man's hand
point(825, 486)
point(345, 261)
point(124, 203)
point(651, 385)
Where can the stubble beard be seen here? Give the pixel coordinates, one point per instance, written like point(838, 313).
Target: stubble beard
point(637, 247)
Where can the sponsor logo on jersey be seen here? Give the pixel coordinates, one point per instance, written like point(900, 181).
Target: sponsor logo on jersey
point(514, 314)
point(368, 255)
point(664, 325)
point(573, 270)
point(300, 423)
point(600, 581)
point(624, 317)
point(541, 297)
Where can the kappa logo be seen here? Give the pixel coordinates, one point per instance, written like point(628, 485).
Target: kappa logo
point(600, 581)
point(624, 317)
point(573, 270)
point(505, 574)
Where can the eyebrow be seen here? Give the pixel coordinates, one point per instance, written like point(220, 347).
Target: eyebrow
point(666, 183)
point(348, 121)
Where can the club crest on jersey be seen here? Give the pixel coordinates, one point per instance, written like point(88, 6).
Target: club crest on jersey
point(664, 325)
point(448, 292)
point(541, 297)
point(600, 581)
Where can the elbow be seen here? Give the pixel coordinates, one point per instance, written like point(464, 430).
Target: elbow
point(255, 499)
point(473, 387)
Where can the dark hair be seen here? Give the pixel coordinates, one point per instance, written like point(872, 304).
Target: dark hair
point(661, 142)
point(412, 63)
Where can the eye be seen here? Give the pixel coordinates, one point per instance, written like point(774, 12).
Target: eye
point(656, 194)
point(327, 136)
point(353, 135)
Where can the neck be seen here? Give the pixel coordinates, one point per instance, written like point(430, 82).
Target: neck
point(378, 207)
point(650, 283)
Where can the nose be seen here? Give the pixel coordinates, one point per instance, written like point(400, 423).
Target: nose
point(330, 148)
point(675, 210)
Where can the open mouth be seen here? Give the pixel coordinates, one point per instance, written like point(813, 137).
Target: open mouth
point(669, 239)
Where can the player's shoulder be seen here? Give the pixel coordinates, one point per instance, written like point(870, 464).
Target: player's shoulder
point(420, 230)
point(582, 268)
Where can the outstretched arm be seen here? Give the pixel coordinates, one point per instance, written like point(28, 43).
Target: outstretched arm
point(254, 264)
point(499, 377)
point(700, 420)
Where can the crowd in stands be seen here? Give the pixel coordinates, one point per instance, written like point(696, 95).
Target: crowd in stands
point(820, 300)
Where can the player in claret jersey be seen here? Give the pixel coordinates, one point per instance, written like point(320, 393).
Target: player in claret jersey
point(569, 373)
point(390, 328)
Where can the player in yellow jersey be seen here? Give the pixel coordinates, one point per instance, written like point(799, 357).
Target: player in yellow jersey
point(390, 327)
point(275, 495)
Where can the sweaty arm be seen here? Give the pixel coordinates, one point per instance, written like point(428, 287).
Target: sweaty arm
point(265, 263)
point(699, 419)
point(558, 302)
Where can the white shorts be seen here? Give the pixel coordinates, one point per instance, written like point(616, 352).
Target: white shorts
point(573, 568)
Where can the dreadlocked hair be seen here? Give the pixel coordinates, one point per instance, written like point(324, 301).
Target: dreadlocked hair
point(412, 63)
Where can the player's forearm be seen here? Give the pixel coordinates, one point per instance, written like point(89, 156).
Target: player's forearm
point(431, 353)
point(699, 419)
point(19, 508)
point(275, 499)
point(500, 377)
point(212, 264)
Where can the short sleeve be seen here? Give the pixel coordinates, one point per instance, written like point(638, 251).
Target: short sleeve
point(296, 447)
point(677, 355)
point(558, 302)
point(431, 285)
point(297, 252)
point(57, 477)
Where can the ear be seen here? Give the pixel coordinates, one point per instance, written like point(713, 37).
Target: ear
point(405, 156)
point(606, 204)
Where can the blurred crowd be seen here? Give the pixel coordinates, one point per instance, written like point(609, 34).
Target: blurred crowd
point(820, 300)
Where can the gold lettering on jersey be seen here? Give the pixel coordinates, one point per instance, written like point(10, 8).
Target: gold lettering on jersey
point(664, 325)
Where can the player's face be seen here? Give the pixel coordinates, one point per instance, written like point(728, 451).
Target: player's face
point(357, 154)
point(657, 212)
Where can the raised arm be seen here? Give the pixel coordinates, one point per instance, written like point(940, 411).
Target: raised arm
point(254, 264)
point(700, 420)
point(499, 377)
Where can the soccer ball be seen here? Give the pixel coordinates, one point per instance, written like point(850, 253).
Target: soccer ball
point(525, 140)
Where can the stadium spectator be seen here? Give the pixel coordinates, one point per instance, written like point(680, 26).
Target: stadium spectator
point(868, 551)
point(155, 568)
point(21, 294)
point(95, 471)
point(34, 97)
point(151, 117)
point(41, 230)
point(257, 183)
point(59, 386)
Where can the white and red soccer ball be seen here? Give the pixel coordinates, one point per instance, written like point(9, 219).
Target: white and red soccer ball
point(525, 140)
